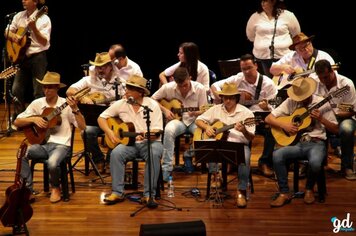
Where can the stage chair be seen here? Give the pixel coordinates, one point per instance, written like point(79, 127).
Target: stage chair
point(229, 67)
point(65, 166)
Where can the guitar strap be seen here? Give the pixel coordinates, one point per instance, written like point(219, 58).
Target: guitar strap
point(312, 59)
point(258, 88)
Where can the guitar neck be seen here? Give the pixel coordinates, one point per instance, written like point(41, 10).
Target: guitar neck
point(184, 109)
point(56, 111)
point(224, 129)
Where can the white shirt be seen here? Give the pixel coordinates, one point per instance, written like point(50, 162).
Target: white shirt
point(60, 134)
point(260, 28)
point(202, 77)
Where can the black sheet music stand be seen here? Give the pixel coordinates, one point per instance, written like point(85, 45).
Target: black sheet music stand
point(91, 113)
point(219, 151)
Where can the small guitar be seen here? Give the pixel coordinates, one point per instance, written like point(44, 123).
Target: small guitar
point(16, 51)
point(301, 118)
point(221, 129)
point(17, 209)
point(125, 131)
point(8, 72)
point(176, 107)
point(99, 98)
point(37, 135)
point(284, 79)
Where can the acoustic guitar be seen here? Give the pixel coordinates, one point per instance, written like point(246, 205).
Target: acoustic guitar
point(8, 72)
point(301, 118)
point(221, 129)
point(16, 51)
point(125, 131)
point(284, 79)
point(17, 209)
point(37, 135)
point(99, 98)
point(176, 107)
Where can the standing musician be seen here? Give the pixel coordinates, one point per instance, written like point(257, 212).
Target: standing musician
point(131, 110)
point(311, 145)
point(101, 83)
point(231, 112)
point(329, 82)
point(255, 89)
point(28, 50)
point(190, 94)
point(58, 143)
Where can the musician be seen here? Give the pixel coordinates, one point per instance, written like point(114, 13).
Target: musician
point(33, 63)
point(302, 58)
point(190, 94)
point(132, 111)
point(232, 112)
point(329, 82)
point(188, 56)
point(58, 143)
point(255, 89)
point(311, 145)
point(101, 82)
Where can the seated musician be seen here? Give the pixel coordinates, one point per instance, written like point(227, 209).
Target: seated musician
point(102, 92)
point(58, 143)
point(258, 93)
point(191, 94)
point(329, 82)
point(231, 112)
point(131, 110)
point(312, 130)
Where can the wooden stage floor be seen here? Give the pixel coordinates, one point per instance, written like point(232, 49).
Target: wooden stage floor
point(85, 215)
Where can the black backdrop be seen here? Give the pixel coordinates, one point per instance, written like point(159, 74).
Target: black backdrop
point(151, 32)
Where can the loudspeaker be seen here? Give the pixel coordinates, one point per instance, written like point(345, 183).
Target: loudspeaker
point(191, 228)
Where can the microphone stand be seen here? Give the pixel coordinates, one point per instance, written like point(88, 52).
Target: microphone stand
point(7, 88)
point(151, 204)
point(115, 87)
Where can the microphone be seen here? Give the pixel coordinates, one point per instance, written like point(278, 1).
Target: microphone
point(10, 15)
point(116, 61)
point(131, 100)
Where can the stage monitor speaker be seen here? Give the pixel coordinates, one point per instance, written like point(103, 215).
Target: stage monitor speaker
point(191, 228)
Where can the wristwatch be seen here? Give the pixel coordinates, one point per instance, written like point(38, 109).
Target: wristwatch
point(76, 112)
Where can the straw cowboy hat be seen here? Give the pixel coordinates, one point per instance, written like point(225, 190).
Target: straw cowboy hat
point(101, 59)
point(228, 89)
point(51, 78)
point(301, 89)
point(300, 38)
point(139, 82)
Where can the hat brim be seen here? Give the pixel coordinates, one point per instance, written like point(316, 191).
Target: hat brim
point(292, 47)
point(221, 93)
point(311, 89)
point(147, 92)
point(98, 64)
point(61, 85)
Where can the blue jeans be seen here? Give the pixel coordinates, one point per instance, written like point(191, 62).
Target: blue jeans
point(92, 144)
point(243, 171)
point(121, 154)
point(314, 152)
point(346, 131)
point(173, 129)
point(53, 152)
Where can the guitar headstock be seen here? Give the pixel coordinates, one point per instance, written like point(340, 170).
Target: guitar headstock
point(41, 11)
point(8, 72)
point(206, 107)
point(346, 107)
point(22, 149)
point(336, 66)
point(252, 121)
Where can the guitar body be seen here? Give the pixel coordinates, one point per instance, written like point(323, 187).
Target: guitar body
point(174, 106)
point(216, 125)
point(17, 210)
point(283, 138)
point(37, 135)
point(124, 131)
point(99, 98)
point(17, 198)
point(16, 51)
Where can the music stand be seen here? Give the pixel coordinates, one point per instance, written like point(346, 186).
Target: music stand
point(91, 113)
point(219, 151)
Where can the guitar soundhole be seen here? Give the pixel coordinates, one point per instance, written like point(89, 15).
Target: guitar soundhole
point(297, 121)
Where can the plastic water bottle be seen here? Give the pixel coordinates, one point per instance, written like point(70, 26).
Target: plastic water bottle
point(170, 187)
